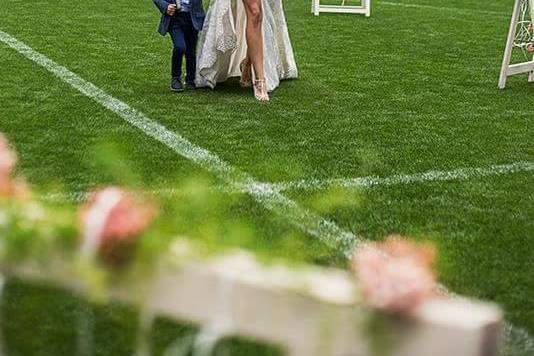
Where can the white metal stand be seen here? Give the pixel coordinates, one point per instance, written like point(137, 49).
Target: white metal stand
point(364, 8)
point(508, 69)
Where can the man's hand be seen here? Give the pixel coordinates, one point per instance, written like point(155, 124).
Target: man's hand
point(171, 9)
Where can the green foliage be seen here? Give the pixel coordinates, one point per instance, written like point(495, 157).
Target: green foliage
point(36, 232)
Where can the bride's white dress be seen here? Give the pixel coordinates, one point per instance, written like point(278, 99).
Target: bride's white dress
point(222, 44)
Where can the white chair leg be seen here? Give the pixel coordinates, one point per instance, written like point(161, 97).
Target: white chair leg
point(509, 46)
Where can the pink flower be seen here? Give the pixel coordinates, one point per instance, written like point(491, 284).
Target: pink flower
point(20, 189)
point(111, 221)
point(530, 47)
point(8, 158)
point(395, 276)
point(5, 186)
point(9, 187)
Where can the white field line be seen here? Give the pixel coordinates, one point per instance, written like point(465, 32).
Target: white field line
point(307, 221)
point(345, 183)
point(405, 179)
point(458, 10)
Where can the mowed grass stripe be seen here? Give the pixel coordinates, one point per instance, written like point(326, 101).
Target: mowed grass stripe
point(313, 224)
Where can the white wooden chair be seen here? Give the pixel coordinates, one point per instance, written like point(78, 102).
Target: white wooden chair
point(521, 36)
point(364, 8)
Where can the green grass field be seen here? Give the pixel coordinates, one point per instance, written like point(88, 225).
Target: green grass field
point(409, 90)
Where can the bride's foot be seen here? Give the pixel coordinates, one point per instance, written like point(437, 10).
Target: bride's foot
point(246, 74)
point(260, 90)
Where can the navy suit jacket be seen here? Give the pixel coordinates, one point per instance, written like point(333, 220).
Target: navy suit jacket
point(197, 15)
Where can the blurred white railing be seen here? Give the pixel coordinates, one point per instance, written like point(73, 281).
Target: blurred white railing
point(308, 310)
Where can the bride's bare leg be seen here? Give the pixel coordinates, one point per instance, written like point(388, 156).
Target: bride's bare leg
point(246, 73)
point(254, 35)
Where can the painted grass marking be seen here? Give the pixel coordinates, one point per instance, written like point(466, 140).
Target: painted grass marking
point(345, 183)
point(273, 200)
point(303, 219)
point(405, 179)
point(446, 8)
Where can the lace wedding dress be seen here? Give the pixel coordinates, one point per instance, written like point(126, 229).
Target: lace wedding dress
point(222, 44)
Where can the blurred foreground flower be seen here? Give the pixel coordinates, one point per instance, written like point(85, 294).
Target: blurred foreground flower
point(111, 222)
point(530, 47)
point(9, 186)
point(8, 158)
point(395, 276)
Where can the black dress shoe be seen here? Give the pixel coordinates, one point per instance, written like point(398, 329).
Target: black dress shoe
point(176, 85)
point(190, 86)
